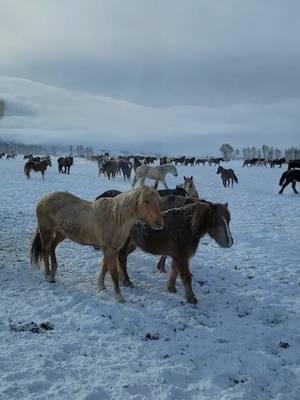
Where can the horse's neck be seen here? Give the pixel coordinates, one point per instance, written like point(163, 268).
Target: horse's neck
point(125, 208)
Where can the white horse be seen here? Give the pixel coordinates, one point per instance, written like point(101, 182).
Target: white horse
point(157, 173)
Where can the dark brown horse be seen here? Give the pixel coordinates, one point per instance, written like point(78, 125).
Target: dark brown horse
point(227, 176)
point(291, 176)
point(37, 167)
point(64, 164)
point(293, 164)
point(179, 239)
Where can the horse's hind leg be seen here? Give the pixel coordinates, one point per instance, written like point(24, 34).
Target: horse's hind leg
point(46, 246)
point(164, 183)
point(284, 186)
point(294, 187)
point(161, 264)
point(57, 239)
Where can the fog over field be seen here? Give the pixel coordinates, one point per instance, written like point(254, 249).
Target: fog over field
point(181, 77)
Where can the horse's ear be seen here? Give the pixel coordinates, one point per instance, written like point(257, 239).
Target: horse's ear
point(191, 177)
point(184, 178)
point(226, 205)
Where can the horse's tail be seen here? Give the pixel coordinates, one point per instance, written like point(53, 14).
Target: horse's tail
point(36, 252)
point(26, 170)
point(282, 179)
point(235, 178)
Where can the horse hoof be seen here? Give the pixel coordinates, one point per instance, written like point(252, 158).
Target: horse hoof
point(171, 289)
point(119, 299)
point(100, 288)
point(128, 283)
point(192, 300)
point(50, 279)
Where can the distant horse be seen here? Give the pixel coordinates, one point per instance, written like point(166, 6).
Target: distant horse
point(215, 161)
point(291, 176)
point(136, 163)
point(179, 239)
point(110, 168)
point(11, 156)
point(36, 167)
point(104, 223)
point(277, 162)
point(126, 168)
point(189, 186)
point(64, 164)
point(157, 173)
point(201, 161)
point(27, 156)
point(293, 164)
point(2, 155)
point(227, 176)
point(190, 161)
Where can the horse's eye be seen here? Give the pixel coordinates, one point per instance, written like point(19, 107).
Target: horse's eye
point(146, 202)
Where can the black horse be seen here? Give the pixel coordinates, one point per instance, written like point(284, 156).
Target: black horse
point(292, 176)
point(293, 164)
point(178, 191)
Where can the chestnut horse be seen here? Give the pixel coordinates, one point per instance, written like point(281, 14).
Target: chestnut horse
point(37, 167)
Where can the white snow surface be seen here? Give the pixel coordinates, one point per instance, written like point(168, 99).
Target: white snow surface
point(226, 347)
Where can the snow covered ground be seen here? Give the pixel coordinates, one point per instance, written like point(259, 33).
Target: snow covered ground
point(242, 341)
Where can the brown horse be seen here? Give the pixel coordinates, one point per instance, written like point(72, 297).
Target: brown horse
point(64, 164)
point(179, 239)
point(104, 223)
point(227, 176)
point(37, 167)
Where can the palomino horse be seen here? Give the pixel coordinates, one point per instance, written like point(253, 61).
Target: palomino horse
point(37, 167)
point(179, 239)
point(157, 173)
point(291, 176)
point(104, 223)
point(189, 186)
point(227, 176)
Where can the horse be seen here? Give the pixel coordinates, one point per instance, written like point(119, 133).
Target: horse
point(37, 167)
point(11, 156)
point(136, 163)
point(178, 191)
point(2, 155)
point(27, 156)
point(104, 223)
point(126, 168)
point(189, 186)
point(293, 164)
point(179, 239)
point(64, 164)
point(291, 176)
point(215, 161)
point(157, 173)
point(110, 168)
point(201, 161)
point(227, 176)
point(277, 162)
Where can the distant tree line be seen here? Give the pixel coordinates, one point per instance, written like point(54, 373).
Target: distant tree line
point(266, 152)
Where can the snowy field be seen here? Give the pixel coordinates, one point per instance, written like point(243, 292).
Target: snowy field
point(242, 340)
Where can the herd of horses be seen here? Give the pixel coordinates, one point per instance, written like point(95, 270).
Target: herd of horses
point(167, 222)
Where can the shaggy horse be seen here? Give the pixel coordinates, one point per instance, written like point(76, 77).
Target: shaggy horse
point(179, 239)
point(227, 176)
point(110, 168)
point(104, 223)
point(189, 186)
point(37, 167)
point(2, 155)
point(157, 173)
point(291, 176)
point(126, 168)
point(64, 164)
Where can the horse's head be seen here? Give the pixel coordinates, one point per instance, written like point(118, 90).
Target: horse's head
point(172, 169)
point(188, 185)
point(149, 207)
point(49, 162)
point(219, 170)
point(219, 228)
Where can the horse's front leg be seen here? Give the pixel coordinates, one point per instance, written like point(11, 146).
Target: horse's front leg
point(111, 260)
point(294, 187)
point(164, 183)
point(186, 277)
point(161, 264)
point(123, 255)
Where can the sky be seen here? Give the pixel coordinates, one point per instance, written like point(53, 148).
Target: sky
point(227, 71)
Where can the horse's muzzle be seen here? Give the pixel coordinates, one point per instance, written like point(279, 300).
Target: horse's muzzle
point(158, 225)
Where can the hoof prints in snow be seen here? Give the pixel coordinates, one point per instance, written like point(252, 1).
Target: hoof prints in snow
point(31, 327)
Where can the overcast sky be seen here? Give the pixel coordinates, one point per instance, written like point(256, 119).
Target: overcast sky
point(241, 56)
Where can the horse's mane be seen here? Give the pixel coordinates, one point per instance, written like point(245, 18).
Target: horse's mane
point(124, 206)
